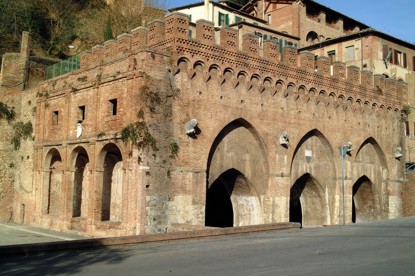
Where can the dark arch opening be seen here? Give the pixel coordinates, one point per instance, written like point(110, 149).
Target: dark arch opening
point(112, 157)
point(81, 161)
point(296, 213)
point(312, 37)
point(363, 201)
point(219, 210)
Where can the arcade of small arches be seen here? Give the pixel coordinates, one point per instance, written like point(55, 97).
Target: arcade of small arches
point(283, 88)
point(79, 191)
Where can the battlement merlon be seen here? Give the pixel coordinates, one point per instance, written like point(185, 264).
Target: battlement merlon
point(174, 35)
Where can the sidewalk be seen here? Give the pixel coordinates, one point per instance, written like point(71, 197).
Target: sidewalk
point(24, 240)
point(14, 234)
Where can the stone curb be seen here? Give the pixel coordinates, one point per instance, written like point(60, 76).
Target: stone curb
point(33, 248)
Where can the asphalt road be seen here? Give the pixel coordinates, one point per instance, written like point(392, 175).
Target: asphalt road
point(380, 248)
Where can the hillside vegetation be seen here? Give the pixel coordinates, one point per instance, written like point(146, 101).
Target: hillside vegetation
point(55, 25)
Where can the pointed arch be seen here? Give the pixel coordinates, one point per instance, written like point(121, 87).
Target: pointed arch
point(238, 141)
point(365, 201)
point(307, 201)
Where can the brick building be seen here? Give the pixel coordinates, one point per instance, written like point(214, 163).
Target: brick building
point(245, 132)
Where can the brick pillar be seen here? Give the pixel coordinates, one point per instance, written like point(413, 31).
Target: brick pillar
point(323, 66)
point(85, 60)
point(97, 55)
point(391, 87)
point(339, 70)
point(307, 61)
point(139, 38)
point(289, 56)
point(353, 74)
point(229, 39)
point(156, 32)
point(177, 26)
point(250, 44)
point(205, 32)
point(379, 83)
point(367, 79)
point(270, 51)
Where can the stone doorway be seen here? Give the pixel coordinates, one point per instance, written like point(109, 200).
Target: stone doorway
point(364, 206)
point(307, 202)
point(79, 187)
point(231, 201)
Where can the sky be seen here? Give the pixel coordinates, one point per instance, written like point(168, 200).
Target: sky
point(394, 17)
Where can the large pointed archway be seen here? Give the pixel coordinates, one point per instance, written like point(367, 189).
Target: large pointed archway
point(371, 172)
point(365, 205)
point(307, 203)
point(237, 177)
point(313, 176)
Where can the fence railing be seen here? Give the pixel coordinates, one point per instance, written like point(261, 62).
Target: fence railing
point(63, 67)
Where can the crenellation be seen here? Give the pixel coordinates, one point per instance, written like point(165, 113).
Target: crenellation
point(97, 55)
point(339, 70)
point(379, 83)
point(323, 66)
point(139, 38)
point(366, 79)
point(307, 61)
point(205, 32)
point(123, 45)
point(229, 39)
point(250, 44)
point(391, 87)
point(177, 26)
point(353, 74)
point(156, 32)
point(270, 50)
point(85, 60)
point(289, 56)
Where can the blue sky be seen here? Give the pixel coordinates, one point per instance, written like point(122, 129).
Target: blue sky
point(394, 17)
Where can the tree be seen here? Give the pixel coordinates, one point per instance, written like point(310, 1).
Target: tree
point(108, 31)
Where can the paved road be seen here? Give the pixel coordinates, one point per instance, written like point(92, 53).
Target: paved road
point(381, 248)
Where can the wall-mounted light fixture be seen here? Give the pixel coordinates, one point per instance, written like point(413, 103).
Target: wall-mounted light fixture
point(284, 138)
point(191, 128)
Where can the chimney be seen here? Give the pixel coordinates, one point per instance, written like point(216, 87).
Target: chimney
point(207, 10)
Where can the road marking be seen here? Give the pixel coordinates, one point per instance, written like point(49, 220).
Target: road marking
point(38, 233)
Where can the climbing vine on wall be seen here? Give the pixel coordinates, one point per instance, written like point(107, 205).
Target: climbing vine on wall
point(137, 134)
point(21, 131)
point(7, 112)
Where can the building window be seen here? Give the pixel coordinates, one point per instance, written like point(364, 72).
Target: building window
point(349, 53)
point(413, 63)
point(332, 56)
point(81, 113)
point(55, 117)
point(113, 106)
point(223, 19)
point(238, 19)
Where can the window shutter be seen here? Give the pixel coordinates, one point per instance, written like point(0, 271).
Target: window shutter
point(226, 19)
point(280, 45)
point(405, 64)
point(265, 37)
point(385, 51)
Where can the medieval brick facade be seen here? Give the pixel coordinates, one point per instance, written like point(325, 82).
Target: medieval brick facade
point(265, 148)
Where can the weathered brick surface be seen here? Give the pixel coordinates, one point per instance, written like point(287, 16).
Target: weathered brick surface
point(244, 100)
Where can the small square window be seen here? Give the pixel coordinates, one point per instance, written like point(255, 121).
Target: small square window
point(55, 117)
point(113, 106)
point(81, 113)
